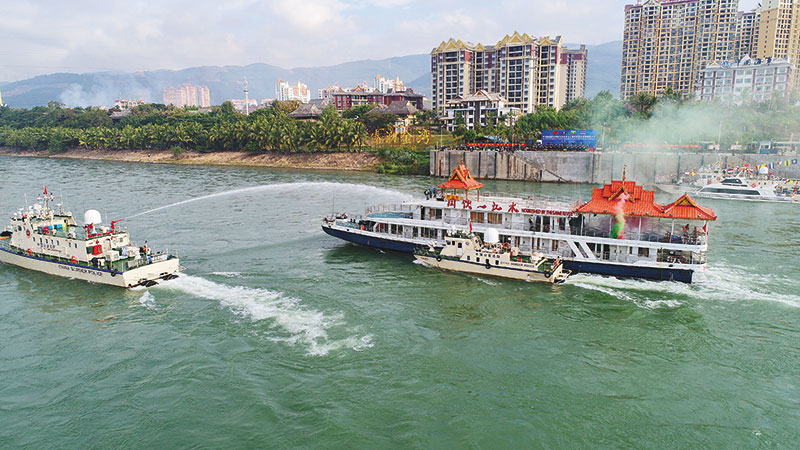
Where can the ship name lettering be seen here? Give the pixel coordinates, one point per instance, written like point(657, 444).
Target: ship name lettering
point(547, 212)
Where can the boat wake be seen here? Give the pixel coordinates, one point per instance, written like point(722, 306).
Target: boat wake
point(307, 186)
point(148, 301)
point(291, 321)
point(722, 284)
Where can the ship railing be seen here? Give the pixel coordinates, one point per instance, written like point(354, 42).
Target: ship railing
point(666, 238)
point(5, 245)
point(538, 201)
point(391, 208)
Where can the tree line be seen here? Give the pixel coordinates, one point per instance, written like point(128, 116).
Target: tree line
point(642, 120)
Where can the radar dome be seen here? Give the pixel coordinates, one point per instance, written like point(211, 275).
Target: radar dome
point(92, 217)
point(491, 236)
point(763, 170)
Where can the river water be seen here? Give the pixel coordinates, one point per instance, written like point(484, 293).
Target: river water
point(279, 336)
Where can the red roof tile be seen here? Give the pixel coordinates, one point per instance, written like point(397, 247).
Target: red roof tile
point(461, 179)
point(641, 203)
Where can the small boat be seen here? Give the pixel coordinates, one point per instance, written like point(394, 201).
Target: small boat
point(466, 253)
point(50, 241)
point(737, 188)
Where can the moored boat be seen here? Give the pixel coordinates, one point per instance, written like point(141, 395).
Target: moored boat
point(467, 253)
point(621, 231)
point(50, 241)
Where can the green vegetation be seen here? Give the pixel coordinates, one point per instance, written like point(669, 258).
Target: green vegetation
point(646, 120)
point(403, 161)
point(158, 127)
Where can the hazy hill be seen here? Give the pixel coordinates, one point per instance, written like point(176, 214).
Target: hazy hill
point(101, 88)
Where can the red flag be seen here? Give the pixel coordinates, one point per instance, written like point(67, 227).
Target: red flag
point(45, 189)
point(470, 226)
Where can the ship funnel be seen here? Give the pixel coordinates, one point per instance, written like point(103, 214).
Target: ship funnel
point(92, 217)
point(491, 236)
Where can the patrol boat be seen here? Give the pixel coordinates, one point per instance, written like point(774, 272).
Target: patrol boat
point(50, 241)
point(621, 231)
point(464, 252)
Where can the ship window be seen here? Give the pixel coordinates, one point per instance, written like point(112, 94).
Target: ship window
point(459, 245)
point(497, 262)
point(644, 252)
point(468, 258)
point(477, 260)
point(495, 218)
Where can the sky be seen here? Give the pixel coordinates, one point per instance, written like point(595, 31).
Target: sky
point(45, 36)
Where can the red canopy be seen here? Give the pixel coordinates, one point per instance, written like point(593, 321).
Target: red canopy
point(641, 203)
point(461, 179)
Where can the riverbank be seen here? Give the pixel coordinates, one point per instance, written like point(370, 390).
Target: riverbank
point(366, 162)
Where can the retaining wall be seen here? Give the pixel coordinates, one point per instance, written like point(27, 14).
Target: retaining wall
point(595, 168)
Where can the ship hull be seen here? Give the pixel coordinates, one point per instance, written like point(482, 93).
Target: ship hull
point(456, 265)
point(626, 271)
point(127, 279)
point(371, 241)
point(608, 269)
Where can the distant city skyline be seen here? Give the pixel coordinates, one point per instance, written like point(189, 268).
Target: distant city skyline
point(90, 36)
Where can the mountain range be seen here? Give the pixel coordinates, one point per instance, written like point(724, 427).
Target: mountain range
point(226, 82)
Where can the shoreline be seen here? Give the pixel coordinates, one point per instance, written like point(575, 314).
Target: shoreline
point(354, 162)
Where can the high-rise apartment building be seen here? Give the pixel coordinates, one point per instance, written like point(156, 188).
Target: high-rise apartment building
point(779, 31)
point(746, 33)
point(575, 76)
point(285, 92)
point(523, 70)
point(667, 42)
point(187, 95)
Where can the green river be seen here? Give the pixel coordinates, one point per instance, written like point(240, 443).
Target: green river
point(280, 336)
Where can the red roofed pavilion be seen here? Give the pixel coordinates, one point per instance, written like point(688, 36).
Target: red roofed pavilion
point(461, 180)
point(686, 208)
point(641, 203)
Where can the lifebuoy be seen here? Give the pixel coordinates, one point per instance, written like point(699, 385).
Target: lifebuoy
point(28, 232)
point(30, 252)
point(753, 185)
point(506, 245)
point(73, 260)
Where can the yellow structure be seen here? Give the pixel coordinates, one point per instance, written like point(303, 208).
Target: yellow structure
point(525, 71)
point(779, 31)
point(667, 42)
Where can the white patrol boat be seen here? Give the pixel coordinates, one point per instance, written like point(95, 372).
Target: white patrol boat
point(466, 253)
point(621, 231)
point(753, 190)
point(741, 183)
point(49, 241)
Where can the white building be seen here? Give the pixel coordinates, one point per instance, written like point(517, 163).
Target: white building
point(745, 80)
point(385, 85)
point(475, 109)
point(285, 92)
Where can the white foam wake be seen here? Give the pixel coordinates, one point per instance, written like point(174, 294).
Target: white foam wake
point(723, 283)
point(303, 325)
point(323, 186)
point(148, 301)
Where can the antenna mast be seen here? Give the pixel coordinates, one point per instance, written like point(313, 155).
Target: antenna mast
point(246, 99)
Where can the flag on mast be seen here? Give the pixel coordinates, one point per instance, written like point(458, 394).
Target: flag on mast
point(45, 189)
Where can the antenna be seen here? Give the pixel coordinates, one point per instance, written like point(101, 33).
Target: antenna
point(246, 98)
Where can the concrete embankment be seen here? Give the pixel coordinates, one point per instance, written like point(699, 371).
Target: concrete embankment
point(595, 168)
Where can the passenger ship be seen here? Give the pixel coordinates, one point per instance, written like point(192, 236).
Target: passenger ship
point(620, 232)
point(50, 241)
